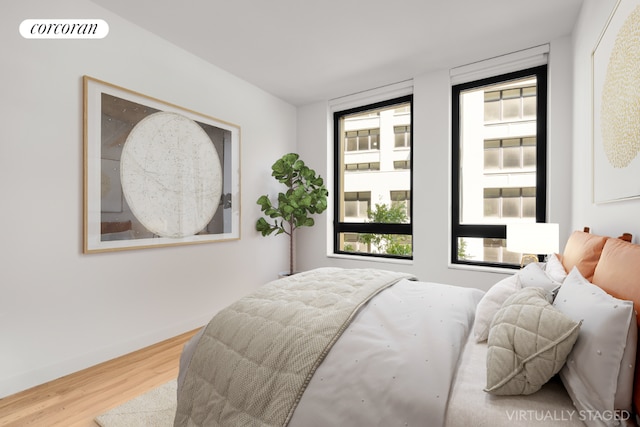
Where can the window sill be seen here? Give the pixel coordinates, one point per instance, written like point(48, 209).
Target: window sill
point(481, 268)
point(371, 259)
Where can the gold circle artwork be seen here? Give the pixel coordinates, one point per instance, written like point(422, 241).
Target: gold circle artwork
point(171, 175)
point(620, 111)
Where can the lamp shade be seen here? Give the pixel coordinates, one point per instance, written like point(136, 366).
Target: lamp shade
point(533, 238)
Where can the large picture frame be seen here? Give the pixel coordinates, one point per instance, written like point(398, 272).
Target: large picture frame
point(616, 106)
point(156, 174)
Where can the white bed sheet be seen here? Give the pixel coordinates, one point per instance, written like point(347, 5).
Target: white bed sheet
point(394, 364)
point(469, 405)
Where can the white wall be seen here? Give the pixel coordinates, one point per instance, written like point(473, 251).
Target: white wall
point(431, 168)
point(60, 310)
point(609, 219)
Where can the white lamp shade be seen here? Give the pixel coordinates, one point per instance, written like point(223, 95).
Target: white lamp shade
point(533, 238)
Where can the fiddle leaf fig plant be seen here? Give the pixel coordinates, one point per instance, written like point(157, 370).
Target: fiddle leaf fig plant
point(305, 195)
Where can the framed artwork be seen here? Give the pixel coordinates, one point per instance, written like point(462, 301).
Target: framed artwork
point(156, 174)
point(616, 106)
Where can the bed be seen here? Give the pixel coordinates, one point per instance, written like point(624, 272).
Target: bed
point(555, 343)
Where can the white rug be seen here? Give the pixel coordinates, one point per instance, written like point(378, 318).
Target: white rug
point(156, 408)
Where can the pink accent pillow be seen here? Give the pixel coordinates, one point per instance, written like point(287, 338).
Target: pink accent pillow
point(618, 273)
point(583, 251)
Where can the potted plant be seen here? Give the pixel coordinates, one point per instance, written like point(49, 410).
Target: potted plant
point(305, 195)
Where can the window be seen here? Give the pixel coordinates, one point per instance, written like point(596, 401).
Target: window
point(510, 202)
point(511, 153)
point(403, 136)
point(498, 163)
point(401, 164)
point(357, 205)
point(362, 140)
point(402, 200)
point(362, 166)
point(373, 179)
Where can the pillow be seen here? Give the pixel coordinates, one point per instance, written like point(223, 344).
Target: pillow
point(534, 276)
point(598, 374)
point(554, 268)
point(531, 275)
point(618, 273)
point(490, 304)
point(583, 251)
point(528, 343)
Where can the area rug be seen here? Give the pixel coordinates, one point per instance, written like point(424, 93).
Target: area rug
point(156, 408)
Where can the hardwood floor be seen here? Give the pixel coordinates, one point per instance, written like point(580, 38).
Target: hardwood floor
point(75, 400)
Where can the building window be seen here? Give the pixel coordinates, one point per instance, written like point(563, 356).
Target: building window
point(498, 163)
point(362, 140)
point(402, 136)
point(357, 205)
point(401, 164)
point(510, 202)
point(370, 166)
point(401, 200)
point(373, 206)
point(510, 154)
point(510, 104)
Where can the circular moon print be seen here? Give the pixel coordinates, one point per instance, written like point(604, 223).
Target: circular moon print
point(171, 175)
point(620, 109)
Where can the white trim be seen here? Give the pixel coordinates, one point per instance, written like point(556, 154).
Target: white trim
point(498, 65)
point(365, 258)
point(379, 94)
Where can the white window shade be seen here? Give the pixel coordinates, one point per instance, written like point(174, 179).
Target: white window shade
point(500, 65)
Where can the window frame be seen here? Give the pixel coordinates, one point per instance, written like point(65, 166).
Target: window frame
point(368, 227)
point(496, 231)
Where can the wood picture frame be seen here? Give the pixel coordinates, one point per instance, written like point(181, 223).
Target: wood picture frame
point(616, 106)
point(156, 174)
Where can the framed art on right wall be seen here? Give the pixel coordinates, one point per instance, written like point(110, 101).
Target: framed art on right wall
point(616, 106)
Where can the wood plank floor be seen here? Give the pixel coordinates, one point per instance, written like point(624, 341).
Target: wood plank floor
point(75, 400)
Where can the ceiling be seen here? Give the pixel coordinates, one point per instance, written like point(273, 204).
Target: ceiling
point(304, 51)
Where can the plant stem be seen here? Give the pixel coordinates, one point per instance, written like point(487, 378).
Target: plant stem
point(291, 246)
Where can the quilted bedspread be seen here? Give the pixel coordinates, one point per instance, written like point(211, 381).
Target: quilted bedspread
point(257, 356)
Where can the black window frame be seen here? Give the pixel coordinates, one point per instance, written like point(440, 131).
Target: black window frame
point(368, 227)
point(497, 231)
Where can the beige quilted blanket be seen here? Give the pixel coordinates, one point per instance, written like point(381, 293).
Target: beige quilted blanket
point(257, 356)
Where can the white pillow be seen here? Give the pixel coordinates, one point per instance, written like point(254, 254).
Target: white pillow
point(528, 343)
point(534, 276)
point(530, 276)
point(554, 268)
point(490, 304)
point(598, 374)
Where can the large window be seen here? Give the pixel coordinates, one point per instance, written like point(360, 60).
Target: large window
point(498, 163)
point(373, 179)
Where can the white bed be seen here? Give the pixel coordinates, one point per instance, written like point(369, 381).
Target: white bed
point(469, 405)
point(415, 353)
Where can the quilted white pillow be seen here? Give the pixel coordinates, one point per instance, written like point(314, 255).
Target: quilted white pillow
point(528, 344)
point(490, 303)
point(533, 275)
point(599, 371)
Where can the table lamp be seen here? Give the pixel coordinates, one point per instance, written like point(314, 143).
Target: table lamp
point(532, 238)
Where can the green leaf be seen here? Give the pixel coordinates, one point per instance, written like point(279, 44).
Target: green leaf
point(305, 194)
point(264, 202)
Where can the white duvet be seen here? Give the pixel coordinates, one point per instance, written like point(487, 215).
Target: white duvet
point(395, 363)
